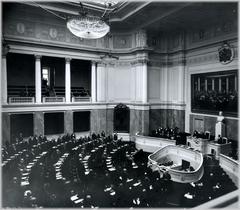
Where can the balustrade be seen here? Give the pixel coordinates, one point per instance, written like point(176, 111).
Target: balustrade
point(53, 99)
point(81, 99)
point(21, 100)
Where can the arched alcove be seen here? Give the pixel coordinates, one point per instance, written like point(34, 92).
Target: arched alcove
point(121, 118)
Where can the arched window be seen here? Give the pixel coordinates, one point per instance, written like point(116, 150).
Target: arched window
point(121, 118)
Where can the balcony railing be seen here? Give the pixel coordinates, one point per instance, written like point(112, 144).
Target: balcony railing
point(21, 100)
point(58, 99)
point(53, 99)
point(81, 99)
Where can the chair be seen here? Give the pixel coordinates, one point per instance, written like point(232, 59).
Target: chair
point(207, 134)
point(224, 140)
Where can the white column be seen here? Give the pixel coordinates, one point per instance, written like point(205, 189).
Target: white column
point(38, 79)
point(205, 84)
point(101, 82)
point(93, 82)
point(165, 84)
point(199, 84)
point(67, 80)
point(227, 84)
point(133, 82)
point(235, 83)
point(213, 85)
point(220, 85)
point(144, 83)
point(4, 79)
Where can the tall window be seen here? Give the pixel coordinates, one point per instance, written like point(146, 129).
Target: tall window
point(46, 76)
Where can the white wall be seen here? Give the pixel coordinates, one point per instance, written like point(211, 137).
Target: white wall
point(166, 85)
point(119, 83)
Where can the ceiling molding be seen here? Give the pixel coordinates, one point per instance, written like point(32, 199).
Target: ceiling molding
point(52, 8)
point(75, 11)
point(131, 13)
point(163, 16)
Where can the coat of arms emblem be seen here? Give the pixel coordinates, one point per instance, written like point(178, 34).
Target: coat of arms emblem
point(225, 53)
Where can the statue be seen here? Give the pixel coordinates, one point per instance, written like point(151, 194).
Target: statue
point(220, 126)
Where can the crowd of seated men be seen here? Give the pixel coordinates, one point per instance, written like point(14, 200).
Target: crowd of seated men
point(203, 135)
point(219, 140)
point(26, 92)
point(50, 91)
point(170, 133)
point(93, 171)
point(16, 156)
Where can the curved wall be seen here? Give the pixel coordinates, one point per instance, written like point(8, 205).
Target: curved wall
point(151, 144)
point(231, 167)
point(177, 153)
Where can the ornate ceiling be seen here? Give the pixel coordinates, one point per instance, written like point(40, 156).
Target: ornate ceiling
point(154, 16)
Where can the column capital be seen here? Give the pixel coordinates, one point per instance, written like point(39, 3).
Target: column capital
point(5, 50)
point(37, 56)
point(101, 64)
point(94, 62)
point(67, 59)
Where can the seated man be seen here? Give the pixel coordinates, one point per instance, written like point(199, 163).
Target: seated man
point(103, 134)
point(52, 92)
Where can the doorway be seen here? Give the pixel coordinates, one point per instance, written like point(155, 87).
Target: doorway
point(121, 118)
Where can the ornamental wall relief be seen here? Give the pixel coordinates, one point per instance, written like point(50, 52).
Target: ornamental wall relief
point(225, 53)
point(20, 28)
point(53, 33)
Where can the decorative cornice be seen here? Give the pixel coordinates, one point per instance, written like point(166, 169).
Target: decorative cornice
point(12, 40)
point(140, 61)
point(157, 63)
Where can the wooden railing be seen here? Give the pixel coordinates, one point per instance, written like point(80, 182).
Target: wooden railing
point(229, 200)
point(194, 157)
point(151, 144)
point(231, 167)
point(21, 100)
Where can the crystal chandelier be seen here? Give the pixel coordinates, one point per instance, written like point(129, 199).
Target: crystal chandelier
point(108, 3)
point(91, 27)
point(88, 27)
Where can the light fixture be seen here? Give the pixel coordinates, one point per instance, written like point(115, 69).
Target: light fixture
point(88, 27)
point(92, 27)
point(108, 3)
